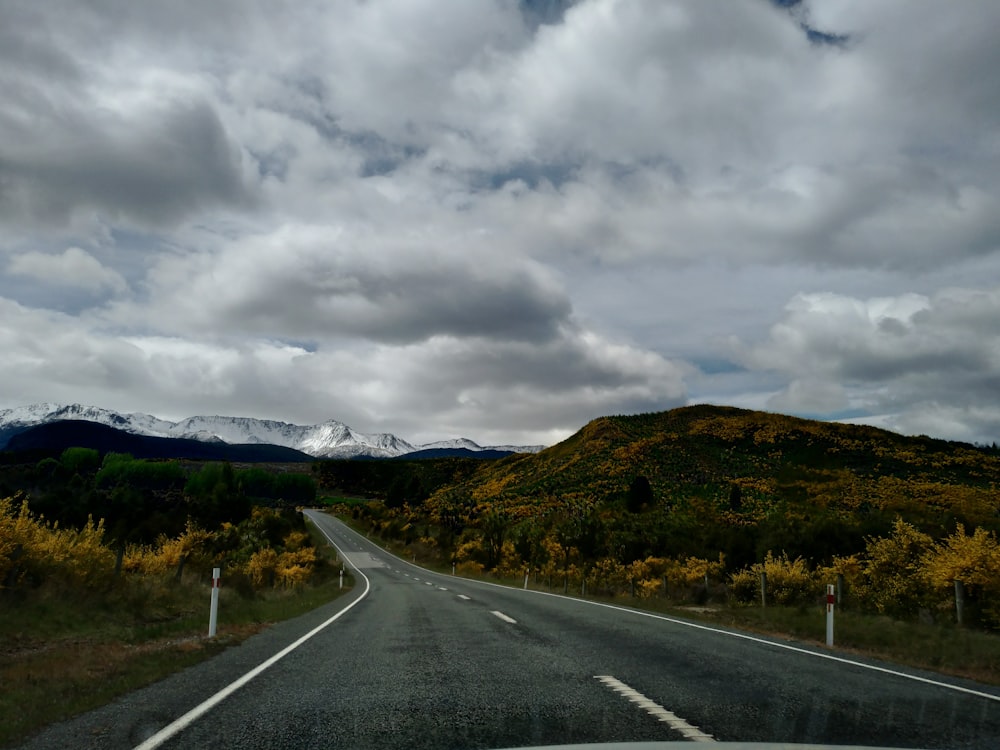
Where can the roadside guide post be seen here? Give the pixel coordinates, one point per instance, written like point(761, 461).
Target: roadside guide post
point(213, 613)
point(341, 576)
point(830, 597)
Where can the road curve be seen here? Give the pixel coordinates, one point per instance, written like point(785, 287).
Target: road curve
point(423, 660)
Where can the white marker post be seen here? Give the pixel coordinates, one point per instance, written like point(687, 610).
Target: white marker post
point(526, 580)
point(213, 613)
point(341, 577)
point(830, 598)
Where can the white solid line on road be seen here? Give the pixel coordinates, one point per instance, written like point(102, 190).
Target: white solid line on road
point(504, 617)
point(463, 596)
point(178, 724)
point(654, 709)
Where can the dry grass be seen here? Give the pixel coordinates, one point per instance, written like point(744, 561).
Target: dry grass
point(63, 653)
point(943, 648)
point(52, 678)
point(57, 680)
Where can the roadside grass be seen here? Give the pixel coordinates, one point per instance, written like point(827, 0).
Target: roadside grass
point(63, 653)
point(938, 647)
point(944, 648)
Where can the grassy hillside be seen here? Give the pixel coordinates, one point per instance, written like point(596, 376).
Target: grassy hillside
point(743, 466)
point(697, 502)
point(704, 480)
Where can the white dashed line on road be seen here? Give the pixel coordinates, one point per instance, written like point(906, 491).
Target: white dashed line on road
point(503, 617)
point(655, 710)
point(463, 596)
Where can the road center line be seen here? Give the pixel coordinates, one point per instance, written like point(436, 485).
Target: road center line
point(442, 588)
point(654, 709)
point(463, 596)
point(207, 705)
point(504, 617)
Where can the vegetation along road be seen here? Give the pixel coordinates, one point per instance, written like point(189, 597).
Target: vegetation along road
point(417, 659)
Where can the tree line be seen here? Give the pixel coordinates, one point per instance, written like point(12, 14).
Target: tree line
point(122, 515)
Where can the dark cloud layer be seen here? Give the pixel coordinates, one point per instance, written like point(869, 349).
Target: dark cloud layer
point(150, 168)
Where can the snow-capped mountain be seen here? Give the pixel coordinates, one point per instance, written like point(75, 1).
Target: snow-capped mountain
point(330, 439)
point(469, 445)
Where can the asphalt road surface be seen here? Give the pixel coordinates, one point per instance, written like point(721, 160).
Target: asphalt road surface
point(420, 660)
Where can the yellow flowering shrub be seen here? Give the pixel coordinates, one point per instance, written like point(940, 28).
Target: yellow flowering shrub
point(469, 568)
point(893, 580)
point(293, 569)
point(32, 549)
point(788, 581)
point(973, 559)
point(262, 567)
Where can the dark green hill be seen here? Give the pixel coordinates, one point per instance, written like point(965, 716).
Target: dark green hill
point(52, 438)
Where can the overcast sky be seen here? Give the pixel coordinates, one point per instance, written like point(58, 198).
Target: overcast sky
point(501, 219)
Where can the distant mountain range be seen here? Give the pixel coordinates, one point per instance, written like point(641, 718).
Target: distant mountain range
point(52, 438)
point(330, 439)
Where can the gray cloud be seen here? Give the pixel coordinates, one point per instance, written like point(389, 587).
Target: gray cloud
point(151, 167)
point(325, 282)
point(72, 268)
point(914, 357)
point(501, 218)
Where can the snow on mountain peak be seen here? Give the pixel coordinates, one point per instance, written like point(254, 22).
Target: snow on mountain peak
point(329, 439)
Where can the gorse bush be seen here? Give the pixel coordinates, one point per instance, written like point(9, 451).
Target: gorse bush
point(892, 577)
point(171, 555)
point(788, 581)
point(972, 559)
point(289, 568)
point(899, 575)
point(35, 553)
